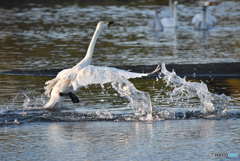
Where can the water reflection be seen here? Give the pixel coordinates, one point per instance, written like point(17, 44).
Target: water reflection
point(120, 140)
point(91, 139)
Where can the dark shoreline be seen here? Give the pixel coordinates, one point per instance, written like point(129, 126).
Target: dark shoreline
point(211, 70)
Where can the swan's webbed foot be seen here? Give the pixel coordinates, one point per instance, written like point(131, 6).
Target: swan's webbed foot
point(72, 96)
point(155, 72)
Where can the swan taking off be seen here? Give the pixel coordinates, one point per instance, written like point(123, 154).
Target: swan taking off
point(169, 21)
point(204, 20)
point(70, 80)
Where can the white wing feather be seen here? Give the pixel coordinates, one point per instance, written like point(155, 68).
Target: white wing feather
point(70, 80)
point(101, 75)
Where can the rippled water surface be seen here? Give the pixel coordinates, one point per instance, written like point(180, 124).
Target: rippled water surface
point(42, 36)
point(37, 36)
point(164, 140)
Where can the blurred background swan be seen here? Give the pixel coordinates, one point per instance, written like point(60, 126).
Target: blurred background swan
point(204, 20)
point(167, 11)
point(166, 20)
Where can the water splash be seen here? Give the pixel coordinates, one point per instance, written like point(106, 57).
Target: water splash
point(33, 102)
point(28, 101)
point(140, 101)
point(182, 89)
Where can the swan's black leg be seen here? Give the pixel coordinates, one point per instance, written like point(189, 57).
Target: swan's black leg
point(72, 96)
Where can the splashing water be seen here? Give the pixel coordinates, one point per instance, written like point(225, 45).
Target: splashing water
point(210, 103)
point(140, 101)
point(34, 102)
point(28, 101)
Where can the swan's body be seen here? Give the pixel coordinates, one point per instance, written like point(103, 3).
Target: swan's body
point(70, 80)
point(204, 20)
point(198, 21)
point(169, 21)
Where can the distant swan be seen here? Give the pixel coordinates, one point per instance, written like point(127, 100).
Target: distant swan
point(169, 21)
point(204, 20)
point(70, 80)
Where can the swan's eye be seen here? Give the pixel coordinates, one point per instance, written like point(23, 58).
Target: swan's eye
point(110, 23)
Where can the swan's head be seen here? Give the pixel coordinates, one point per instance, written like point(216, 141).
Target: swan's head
point(175, 3)
point(209, 3)
point(104, 24)
point(157, 11)
point(206, 4)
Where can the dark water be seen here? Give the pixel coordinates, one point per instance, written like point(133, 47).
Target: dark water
point(42, 36)
point(36, 35)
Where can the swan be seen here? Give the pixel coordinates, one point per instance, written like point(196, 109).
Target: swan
point(167, 22)
point(157, 25)
point(168, 12)
point(204, 20)
point(70, 80)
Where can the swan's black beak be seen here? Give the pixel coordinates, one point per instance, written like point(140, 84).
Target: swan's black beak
point(213, 3)
point(110, 23)
point(157, 11)
point(209, 3)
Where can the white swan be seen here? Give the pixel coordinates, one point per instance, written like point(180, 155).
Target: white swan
point(70, 80)
point(168, 12)
point(169, 21)
point(204, 20)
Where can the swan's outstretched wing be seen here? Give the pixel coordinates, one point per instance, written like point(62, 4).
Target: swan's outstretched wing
point(101, 75)
point(70, 80)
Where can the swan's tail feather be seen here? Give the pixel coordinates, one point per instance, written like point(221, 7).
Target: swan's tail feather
point(49, 86)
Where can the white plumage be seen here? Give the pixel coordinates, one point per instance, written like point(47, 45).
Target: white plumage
point(169, 18)
point(197, 21)
point(204, 20)
point(70, 80)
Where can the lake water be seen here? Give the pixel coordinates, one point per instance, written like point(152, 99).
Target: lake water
point(161, 140)
point(39, 36)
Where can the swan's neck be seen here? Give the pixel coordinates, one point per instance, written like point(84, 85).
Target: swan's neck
point(175, 15)
point(171, 7)
point(88, 57)
point(92, 44)
point(158, 24)
point(204, 17)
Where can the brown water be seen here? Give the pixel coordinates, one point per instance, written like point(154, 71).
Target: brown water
point(35, 35)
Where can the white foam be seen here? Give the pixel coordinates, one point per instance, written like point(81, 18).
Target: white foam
point(209, 102)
